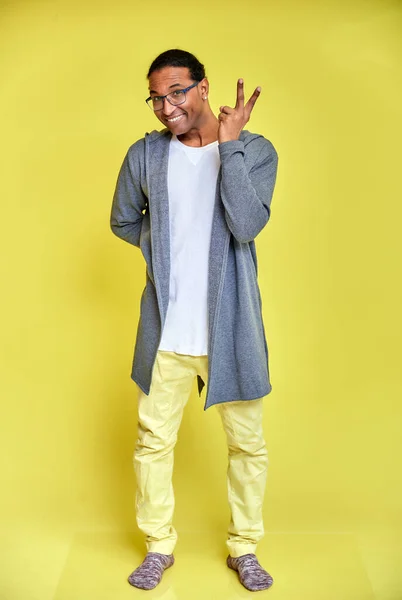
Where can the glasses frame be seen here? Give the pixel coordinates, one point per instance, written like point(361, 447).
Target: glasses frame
point(185, 90)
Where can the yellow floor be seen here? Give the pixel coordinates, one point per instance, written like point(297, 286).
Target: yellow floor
point(313, 566)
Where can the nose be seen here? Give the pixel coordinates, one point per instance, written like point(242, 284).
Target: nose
point(168, 109)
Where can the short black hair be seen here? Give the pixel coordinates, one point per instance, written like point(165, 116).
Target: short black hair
point(178, 58)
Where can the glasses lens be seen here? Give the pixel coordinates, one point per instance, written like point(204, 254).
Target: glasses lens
point(156, 103)
point(177, 97)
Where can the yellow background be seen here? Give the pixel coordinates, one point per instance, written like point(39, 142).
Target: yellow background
point(73, 84)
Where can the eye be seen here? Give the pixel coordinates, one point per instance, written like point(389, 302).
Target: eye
point(177, 92)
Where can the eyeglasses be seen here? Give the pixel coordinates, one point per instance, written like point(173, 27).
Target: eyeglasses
point(175, 98)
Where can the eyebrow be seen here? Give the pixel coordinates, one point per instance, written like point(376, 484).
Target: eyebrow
point(174, 84)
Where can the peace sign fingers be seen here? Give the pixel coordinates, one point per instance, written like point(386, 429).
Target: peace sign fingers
point(232, 120)
point(240, 99)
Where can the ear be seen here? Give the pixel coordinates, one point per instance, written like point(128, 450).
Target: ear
point(204, 87)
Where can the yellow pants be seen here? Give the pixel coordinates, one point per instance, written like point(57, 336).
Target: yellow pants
point(159, 417)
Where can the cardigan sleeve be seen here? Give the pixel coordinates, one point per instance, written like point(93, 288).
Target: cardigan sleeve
point(129, 201)
point(247, 196)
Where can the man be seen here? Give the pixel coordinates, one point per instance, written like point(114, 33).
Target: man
point(193, 197)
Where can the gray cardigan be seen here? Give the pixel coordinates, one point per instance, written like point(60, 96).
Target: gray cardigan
point(237, 349)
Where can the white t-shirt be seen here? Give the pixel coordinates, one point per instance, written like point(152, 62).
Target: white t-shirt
point(192, 179)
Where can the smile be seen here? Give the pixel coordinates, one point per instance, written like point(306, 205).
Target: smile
point(175, 119)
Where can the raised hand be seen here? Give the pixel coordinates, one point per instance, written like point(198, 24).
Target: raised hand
point(232, 120)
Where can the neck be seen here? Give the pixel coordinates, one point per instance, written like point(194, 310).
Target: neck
point(204, 132)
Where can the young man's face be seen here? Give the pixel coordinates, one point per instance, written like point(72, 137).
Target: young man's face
point(166, 81)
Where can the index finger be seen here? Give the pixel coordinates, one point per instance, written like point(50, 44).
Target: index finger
point(240, 94)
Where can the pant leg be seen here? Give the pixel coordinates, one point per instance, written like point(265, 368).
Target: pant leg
point(246, 474)
point(159, 417)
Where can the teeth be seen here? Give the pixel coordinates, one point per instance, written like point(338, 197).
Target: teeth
point(175, 119)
